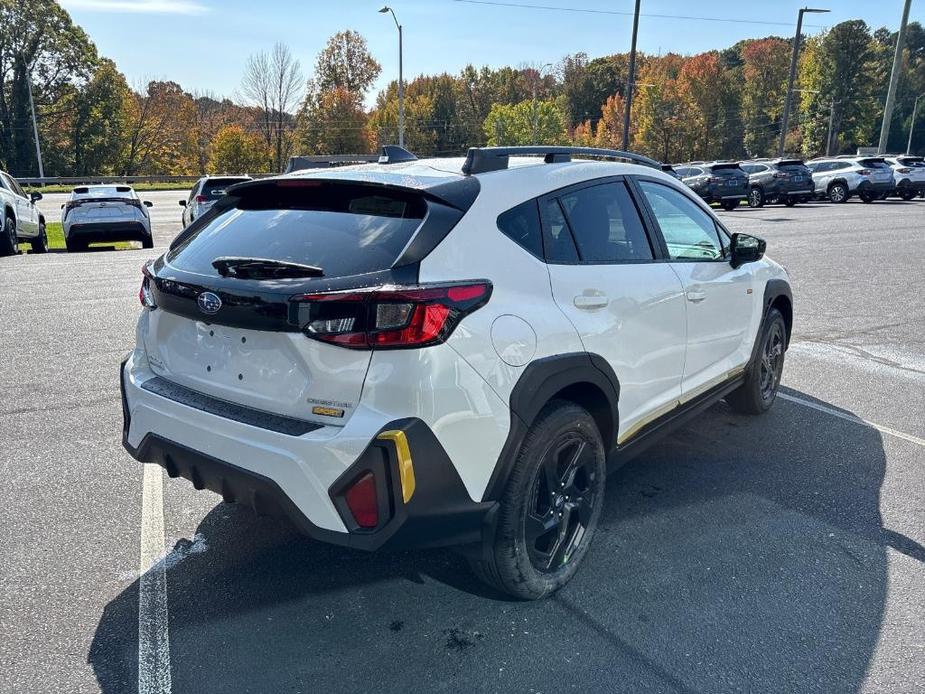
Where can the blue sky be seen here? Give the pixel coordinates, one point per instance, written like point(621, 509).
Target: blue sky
point(203, 44)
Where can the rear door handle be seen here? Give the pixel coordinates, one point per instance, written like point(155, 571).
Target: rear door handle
point(696, 296)
point(590, 301)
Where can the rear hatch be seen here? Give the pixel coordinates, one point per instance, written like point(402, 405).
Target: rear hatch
point(101, 205)
point(239, 331)
point(880, 171)
point(728, 179)
point(797, 177)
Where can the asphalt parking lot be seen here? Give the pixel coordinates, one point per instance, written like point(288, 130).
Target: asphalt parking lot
point(777, 554)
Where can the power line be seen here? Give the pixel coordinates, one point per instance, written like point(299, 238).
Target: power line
point(587, 10)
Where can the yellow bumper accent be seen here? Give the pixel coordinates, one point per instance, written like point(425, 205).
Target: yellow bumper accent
point(405, 468)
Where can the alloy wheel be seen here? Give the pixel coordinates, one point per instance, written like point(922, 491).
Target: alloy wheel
point(561, 504)
point(772, 361)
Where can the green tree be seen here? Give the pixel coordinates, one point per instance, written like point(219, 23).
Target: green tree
point(420, 130)
point(529, 122)
point(235, 151)
point(37, 40)
point(345, 63)
point(333, 122)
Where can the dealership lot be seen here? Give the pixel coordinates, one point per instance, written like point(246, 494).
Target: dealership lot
point(782, 553)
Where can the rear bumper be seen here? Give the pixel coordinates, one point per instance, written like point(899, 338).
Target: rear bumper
point(98, 232)
point(872, 187)
point(906, 184)
point(303, 478)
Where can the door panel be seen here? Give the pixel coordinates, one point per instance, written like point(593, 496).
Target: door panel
point(625, 306)
point(720, 300)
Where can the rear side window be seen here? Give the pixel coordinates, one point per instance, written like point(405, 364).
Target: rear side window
point(560, 247)
point(343, 229)
point(606, 224)
point(522, 225)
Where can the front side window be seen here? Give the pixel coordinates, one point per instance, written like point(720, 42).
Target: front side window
point(606, 224)
point(689, 232)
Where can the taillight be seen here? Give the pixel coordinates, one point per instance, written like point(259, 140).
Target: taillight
point(201, 199)
point(864, 172)
point(780, 174)
point(903, 170)
point(390, 317)
point(145, 294)
point(362, 502)
point(714, 179)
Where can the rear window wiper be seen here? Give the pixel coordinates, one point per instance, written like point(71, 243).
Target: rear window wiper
point(263, 268)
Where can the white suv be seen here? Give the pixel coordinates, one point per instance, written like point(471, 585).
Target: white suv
point(837, 179)
point(909, 173)
point(105, 213)
point(448, 352)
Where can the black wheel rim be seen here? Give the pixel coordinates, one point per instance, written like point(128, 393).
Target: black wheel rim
point(772, 361)
point(561, 503)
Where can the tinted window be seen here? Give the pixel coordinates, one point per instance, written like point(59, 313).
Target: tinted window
point(13, 185)
point(522, 225)
point(682, 171)
point(689, 232)
point(694, 171)
point(345, 230)
point(104, 192)
point(559, 244)
point(606, 224)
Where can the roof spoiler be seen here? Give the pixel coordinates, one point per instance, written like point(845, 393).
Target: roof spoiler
point(485, 159)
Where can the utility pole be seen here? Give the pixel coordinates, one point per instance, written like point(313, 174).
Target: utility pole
point(631, 82)
point(915, 108)
point(35, 125)
point(536, 115)
point(894, 80)
point(793, 73)
point(828, 140)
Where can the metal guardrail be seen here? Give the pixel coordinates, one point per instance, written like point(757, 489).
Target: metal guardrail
point(90, 180)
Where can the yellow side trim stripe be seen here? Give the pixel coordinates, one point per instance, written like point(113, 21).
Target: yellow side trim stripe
point(405, 467)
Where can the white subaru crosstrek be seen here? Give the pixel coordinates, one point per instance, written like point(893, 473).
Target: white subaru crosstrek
point(448, 351)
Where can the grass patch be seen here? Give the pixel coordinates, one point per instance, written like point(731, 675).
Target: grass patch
point(139, 187)
point(55, 233)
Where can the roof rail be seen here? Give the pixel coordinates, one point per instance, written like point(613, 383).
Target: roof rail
point(485, 159)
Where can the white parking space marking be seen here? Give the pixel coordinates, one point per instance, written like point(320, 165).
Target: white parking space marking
point(851, 418)
point(153, 643)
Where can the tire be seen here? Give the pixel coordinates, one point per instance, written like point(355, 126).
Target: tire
point(9, 241)
point(40, 244)
point(74, 246)
point(838, 193)
point(907, 195)
point(533, 553)
point(762, 380)
point(867, 197)
point(729, 205)
point(147, 242)
point(790, 202)
point(756, 197)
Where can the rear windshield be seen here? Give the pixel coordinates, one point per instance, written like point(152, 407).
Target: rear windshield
point(726, 168)
point(215, 188)
point(874, 163)
point(911, 161)
point(104, 192)
point(791, 164)
point(344, 230)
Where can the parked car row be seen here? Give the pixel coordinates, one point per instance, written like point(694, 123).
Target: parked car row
point(792, 181)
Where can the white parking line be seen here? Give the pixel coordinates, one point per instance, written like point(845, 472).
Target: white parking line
point(851, 418)
point(153, 643)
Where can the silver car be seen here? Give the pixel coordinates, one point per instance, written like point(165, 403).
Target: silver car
point(838, 178)
point(909, 172)
point(207, 190)
point(105, 213)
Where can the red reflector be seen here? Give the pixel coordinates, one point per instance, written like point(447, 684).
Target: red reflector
point(473, 291)
point(201, 199)
point(297, 183)
point(362, 502)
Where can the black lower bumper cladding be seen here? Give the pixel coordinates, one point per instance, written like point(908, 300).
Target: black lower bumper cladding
point(439, 513)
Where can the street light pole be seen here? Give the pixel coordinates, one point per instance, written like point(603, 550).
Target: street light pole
point(915, 108)
point(401, 83)
point(793, 73)
point(894, 80)
point(628, 102)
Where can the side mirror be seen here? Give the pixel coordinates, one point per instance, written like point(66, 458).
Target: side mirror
point(35, 196)
point(746, 249)
point(183, 203)
point(148, 203)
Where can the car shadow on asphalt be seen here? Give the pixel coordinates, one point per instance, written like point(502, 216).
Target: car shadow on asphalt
point(740, 554)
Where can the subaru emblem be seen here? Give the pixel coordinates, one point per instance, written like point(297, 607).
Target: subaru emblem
point(209, 303)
